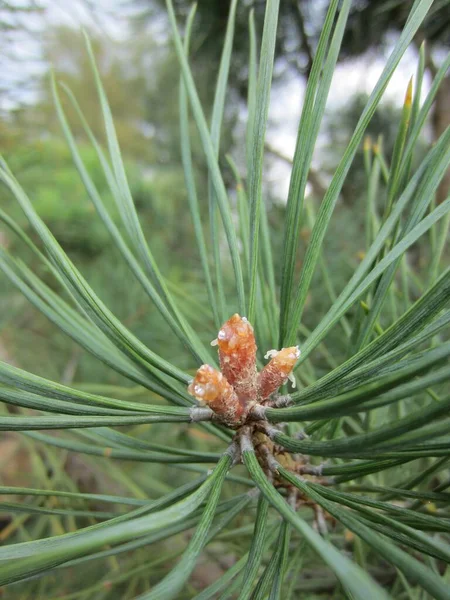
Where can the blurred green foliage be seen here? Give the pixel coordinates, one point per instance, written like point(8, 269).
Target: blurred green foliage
point(42, 162)
point(148, 132)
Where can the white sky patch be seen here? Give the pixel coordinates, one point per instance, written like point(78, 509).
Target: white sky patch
point(110, 18)
point(354, 76)
point(105, 16)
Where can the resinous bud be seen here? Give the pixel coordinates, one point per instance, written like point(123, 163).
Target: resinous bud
point(210, 387)
point(278, 370)
point(237, 355)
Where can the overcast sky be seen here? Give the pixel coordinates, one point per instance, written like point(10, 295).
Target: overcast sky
point(351, 77)
point(110, 17)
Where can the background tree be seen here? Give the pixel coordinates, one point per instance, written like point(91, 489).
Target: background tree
point(370, 24)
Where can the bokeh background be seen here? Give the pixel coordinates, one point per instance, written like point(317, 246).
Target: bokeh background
point(140, 73)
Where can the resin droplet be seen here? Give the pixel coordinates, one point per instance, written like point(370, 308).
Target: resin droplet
point(237, 355)
point(278, 370)
point(211, 387)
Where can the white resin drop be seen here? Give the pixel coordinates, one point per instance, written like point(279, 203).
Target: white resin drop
point(291, 378)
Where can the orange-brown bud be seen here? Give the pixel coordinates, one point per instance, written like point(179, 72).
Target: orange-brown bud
point(237, 356)
point(278, 370)
point(211, 387)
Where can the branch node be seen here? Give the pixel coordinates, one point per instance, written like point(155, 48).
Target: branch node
point(315, 470)
point(258, 412)
point(282, 402)
point(233, 450)
point(246, 440)
point(272, 463)
point(200, 414)
point(271, 431)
